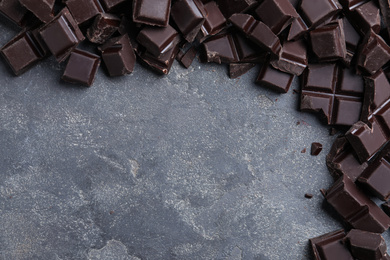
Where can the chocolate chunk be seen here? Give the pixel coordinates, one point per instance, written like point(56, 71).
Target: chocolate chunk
point(103, 27)
point(151, 12)
point(333, 92)
point(276, 14)
point(366, 17)
point(189, 16)
point(84, 10)
point(220, 49)
point(187, 57)
point(351, 4)
point(292, 58)
point(385, 10)
point(328, 42)
point(257, 31)
point(274, 79)
point(315, 13)
point(81, 67)
point(61, 35)
point(118, 56)
point(248, 51)
point(14, 11)
point(342, 160)
point(214, 22)
point(42, 9)
point(23, 51)
point(386, 207)
point(229, 7)
point(238, 69)
point(330, 246)
point(161, 64)
point(352, 39)
point(316, 148)
point(366, 245)
point(308, 195)
point(111, 5)
point(298, 28)
point(373, 54)
point(158, 40)
point(355, 207)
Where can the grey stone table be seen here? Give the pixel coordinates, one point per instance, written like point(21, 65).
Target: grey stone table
point(192, 165)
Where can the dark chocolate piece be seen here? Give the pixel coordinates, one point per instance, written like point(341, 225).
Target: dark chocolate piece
point(189, 16)
point(334, 92)
point(297, 29)
point(84, 10)
point(276, 14)
point(214, 22)
point(316, 148)
point(386, 207)
point(308, 195)
point(352, 39)
point(366, 245)
point(315, 13)
point(355, 207)
point(42, 9)
point(373, 54)
point(14, 11)
point(292, 58)
point(220, 49)
point(229, 7)
point(111, 5)
point(328, 42)
point(118, 56)
point(385, 10)
point(238, 69)
point(103, 27)
point(257, 31)
point(274, 79)
point(61, 35)
point(330, 247)
point(81, 67)
point(158, 40)
point(351, 4)
point(152, 12)
point(187, 57)
point(163, 63)
point(366, 17)
point(248, 51)
point(23, 51)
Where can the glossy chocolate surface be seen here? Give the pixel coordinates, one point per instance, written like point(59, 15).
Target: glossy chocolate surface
point(42, 9)
point(152, 12)
point(103, 27)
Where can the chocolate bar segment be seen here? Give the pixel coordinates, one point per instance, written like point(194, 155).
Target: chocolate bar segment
point(352, 39)
point(315, 13)
point(292, 58)
point(366, 245)
point(161, 64)
point(187, 57)
point(152, 12)
point(158, 40)
point(274, 79)
point(230, 7)
point(316, 148)
point(111, 5)
point(81, 68)
point(14, 11)
point(214, 21)
point(84, 10)
point(366, 17)
point(248, 51)
point(103, 27)
point(355, 207)
point(42, 9)
point(297, 29)
point(220, 49)
point(385, 11)
point(330, 246)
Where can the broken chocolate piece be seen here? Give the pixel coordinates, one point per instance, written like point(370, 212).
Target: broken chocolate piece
point(103, 27)
point(152, 12)
point(220, 49)
point(42, 9)
point(214, 22)
point(238, 69)
point(187, 57)
point(366, 17)
point(248, 51)
point(298, 29)
point(163, 63)
point(84, 10)
point(315, 13)
point(111, 5)
point(292, 58)
point(81, 67)
point(274, 79)
point(158, 40)
point(366, 245)
point(14, 11)
point(229, 7)
point(352, 39)
point(316, 148)
point(330, 246)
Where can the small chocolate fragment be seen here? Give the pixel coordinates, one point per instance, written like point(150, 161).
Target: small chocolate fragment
point(366, 17)
point(42, 9)
point(316, 148)
point(308, 195)
point(14, 11)
point(330, 246)
point(152, 12)
point(238, 69)
point(276, 14)
point(103, 27)
point(355, 207)
point(118, 56)
point(292, 58)
point(366, 245)
point(84, 10)
point(220, 49)
point(111, 5)
point(386, 207)
point(189, 16)
point(298, 29)
point(81, 67)
point(257, 31)
point(315, 13)
point(187, 57)
point(229, 7)
point(328, 42)
point(158, 40)
point(274, 79)
point(163, 63)
point(214, 22)
point(373, 54)
point(352, 39)
point(61, 35)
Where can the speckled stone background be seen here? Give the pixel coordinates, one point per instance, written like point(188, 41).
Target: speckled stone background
point(192, 165)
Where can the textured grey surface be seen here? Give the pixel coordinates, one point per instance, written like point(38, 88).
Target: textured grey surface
point(192, 165)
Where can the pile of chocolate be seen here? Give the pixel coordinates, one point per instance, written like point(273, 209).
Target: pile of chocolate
point(338, 48)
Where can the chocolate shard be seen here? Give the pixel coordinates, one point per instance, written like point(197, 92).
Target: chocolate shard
point(351, 4)
point(292, 58)
point(220, 49)
point(152, 12)
point(103, 27)
point(366, 17)
point(189, 16)
point(316, 148)
point(274, 79)
point(214, 21)
point(114, 5)
point(315, 13)
point(330, 246)
point(61, 35)
point(187, 57)
point(332, 91)
point(257, 31)
point(230, 7)
point(297, 30)
point(238, 69)
point(373, 54)
point(14, 11)
point(118, 56)
point(276, 14)
point(84, 10)
point(341, 160)
point(42, 9)
point(355, 207)
point(81, 68)
point(328, 42)
point(352, 39)
point(248, 51)
point(366, 245)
